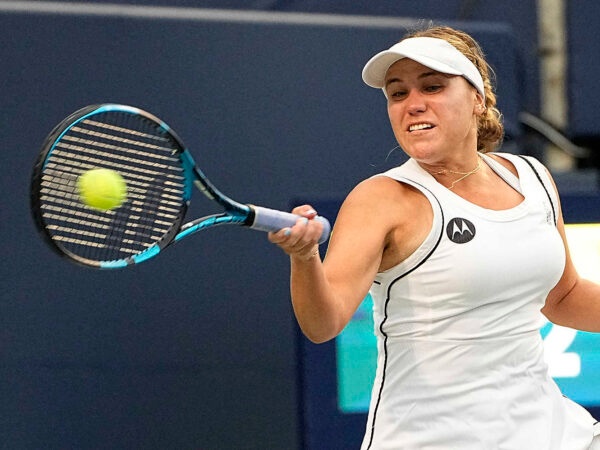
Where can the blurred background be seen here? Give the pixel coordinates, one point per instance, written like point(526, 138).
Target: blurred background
point(198, 349)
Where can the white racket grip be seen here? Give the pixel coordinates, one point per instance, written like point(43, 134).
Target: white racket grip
point(266, 219)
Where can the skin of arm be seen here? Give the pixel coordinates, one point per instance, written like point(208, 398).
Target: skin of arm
point(574, 302)
point(374, 230)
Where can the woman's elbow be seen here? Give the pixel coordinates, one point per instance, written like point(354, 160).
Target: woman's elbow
point(319, 336)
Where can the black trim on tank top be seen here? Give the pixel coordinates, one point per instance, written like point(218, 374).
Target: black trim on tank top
point(387, 300)
point(538, 176)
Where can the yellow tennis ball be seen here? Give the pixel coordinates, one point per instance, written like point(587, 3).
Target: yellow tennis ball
point(102, 189)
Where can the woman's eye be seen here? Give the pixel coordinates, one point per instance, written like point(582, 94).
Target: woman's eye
point(398, 94)
point(433, 88)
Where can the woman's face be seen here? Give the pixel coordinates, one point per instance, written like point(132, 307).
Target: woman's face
point(433, 115)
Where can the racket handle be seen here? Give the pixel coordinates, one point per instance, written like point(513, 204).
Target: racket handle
point(266, 219)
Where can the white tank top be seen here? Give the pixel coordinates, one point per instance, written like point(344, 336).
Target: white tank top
point(460, 355)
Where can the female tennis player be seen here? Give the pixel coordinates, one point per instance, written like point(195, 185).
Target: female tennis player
point(463, 250)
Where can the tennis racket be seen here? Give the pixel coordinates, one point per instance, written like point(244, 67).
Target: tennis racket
point(159, 172)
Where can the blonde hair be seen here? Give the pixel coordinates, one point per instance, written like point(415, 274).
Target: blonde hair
point(490, 130)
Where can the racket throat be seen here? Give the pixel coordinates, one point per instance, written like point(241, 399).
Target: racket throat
point(251, 217)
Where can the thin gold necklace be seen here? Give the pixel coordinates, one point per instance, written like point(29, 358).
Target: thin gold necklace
point(464, 174)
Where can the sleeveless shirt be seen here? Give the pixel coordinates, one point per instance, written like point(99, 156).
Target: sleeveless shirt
point(460, 356)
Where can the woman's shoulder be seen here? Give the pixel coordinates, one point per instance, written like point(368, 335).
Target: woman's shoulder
point(383, 196)
point(381, 186)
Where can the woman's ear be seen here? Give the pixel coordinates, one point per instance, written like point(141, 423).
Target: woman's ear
point(479, 105)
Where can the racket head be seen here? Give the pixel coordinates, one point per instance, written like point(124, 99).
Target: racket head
point(152, 160)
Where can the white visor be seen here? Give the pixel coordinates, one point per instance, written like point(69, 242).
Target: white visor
point(437, 54)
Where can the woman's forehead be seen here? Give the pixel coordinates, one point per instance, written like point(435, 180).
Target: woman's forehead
point(405, 69)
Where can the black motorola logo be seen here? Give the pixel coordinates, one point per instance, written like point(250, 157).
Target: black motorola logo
point(460, 230)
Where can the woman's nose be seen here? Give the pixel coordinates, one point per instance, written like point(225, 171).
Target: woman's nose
point(415, 102)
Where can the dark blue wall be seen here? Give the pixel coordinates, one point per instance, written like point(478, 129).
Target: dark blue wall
point(196, 348)
point(583, 47)
point(520, 15)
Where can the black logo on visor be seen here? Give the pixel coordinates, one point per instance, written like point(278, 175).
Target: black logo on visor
point(460, 231)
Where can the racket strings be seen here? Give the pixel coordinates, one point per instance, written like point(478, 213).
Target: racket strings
point(148, 160)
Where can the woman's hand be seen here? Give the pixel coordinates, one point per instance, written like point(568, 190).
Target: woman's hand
point(301, 240)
